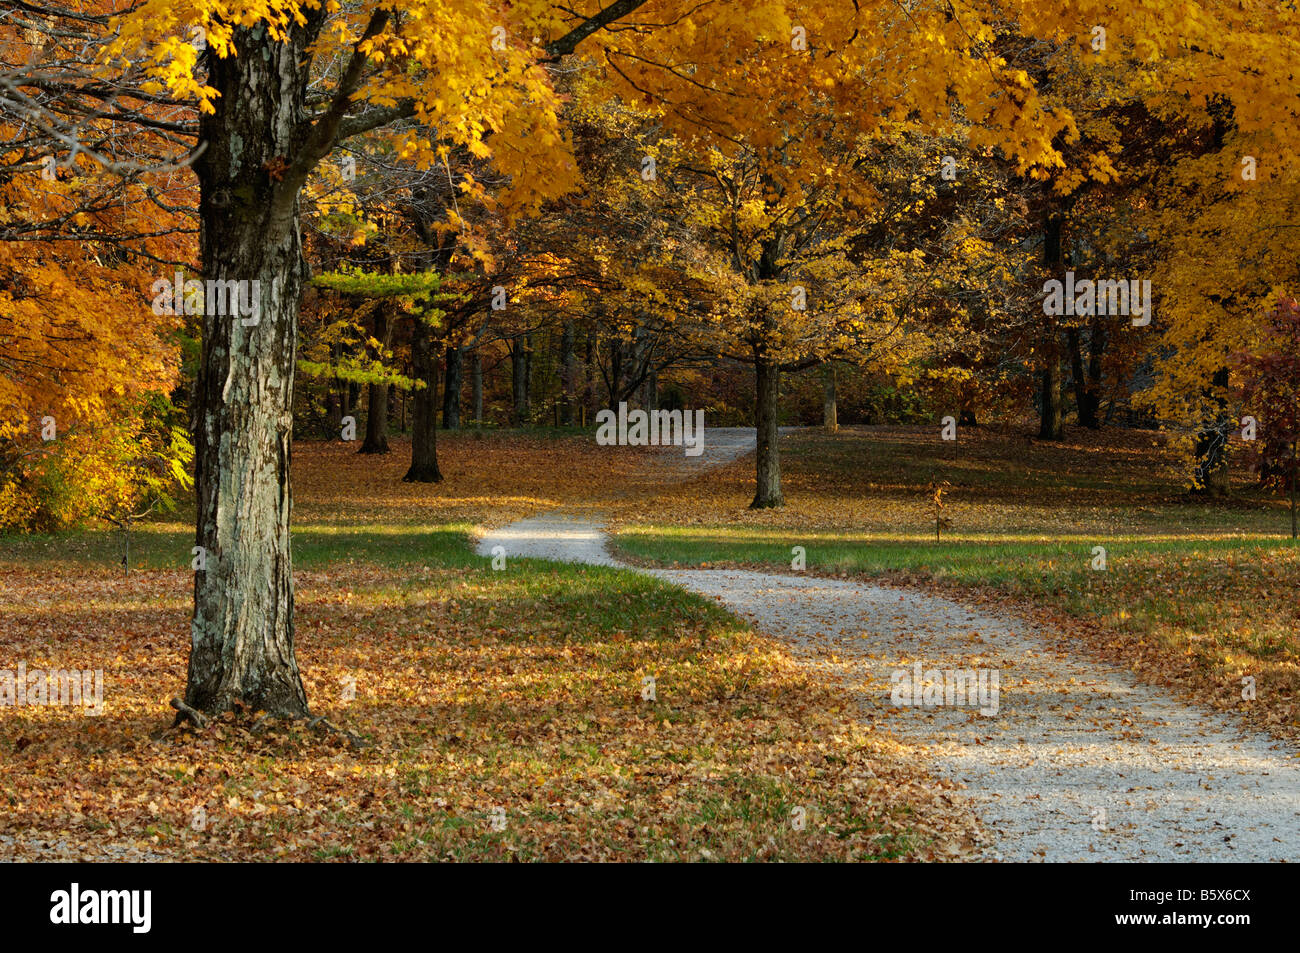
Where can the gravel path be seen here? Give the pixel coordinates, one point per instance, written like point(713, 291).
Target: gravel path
point(564, 537)
point(1079, 762)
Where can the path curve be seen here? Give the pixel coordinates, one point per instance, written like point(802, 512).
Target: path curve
point(1080, 762)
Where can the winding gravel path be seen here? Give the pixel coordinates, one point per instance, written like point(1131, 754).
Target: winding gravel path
point(1079, 762)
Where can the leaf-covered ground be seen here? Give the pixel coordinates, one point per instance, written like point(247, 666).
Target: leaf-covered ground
point(501, 713)
point(1196, 595)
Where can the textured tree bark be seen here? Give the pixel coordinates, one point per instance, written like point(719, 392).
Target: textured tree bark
point(242, 645)
point(830, 411)
point(476, 385)
point(767, 378)
point(451, 389)
point(424, 402)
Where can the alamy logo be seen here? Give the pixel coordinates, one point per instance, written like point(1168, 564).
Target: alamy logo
point(654, 428)
point(237, 298)
point(133, 907)
point(57, 687)
point(948, 686)
point(1088, 297)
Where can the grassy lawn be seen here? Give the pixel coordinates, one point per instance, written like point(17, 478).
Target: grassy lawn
point(503, 713)
point(1195, 594)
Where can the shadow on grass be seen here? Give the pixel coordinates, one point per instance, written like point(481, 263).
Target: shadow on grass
point(169, 545)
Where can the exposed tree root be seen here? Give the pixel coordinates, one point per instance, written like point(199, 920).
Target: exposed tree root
point(185, 711)
point(202, 721)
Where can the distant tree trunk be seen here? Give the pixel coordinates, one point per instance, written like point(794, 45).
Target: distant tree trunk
point(1051, 426)
point(568, 374)
point(334, 399)
point(352, 399)
point(830, 411)
point(333, 411)
point(1085, 410)
point(615, 373)
point(1212, 463)
point(424, 415)
point(451, 389)
point(377, 394)
point(1096, 350)
point(476, 385)
point(345, 400)
point(528, 377)
point(767, 381)
point(1212, 476)
point(650, 390)
point(588, 387)
point(521, 410)
point(1087, 383)
point(376, 419)
point(1295, 453)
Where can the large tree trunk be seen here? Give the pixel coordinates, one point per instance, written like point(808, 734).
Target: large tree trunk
point(476, 385)
point(451, 389)
point(242, 648)
point(424, 415)
point(568, 372)
point(830, 411)
point(767, 378)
